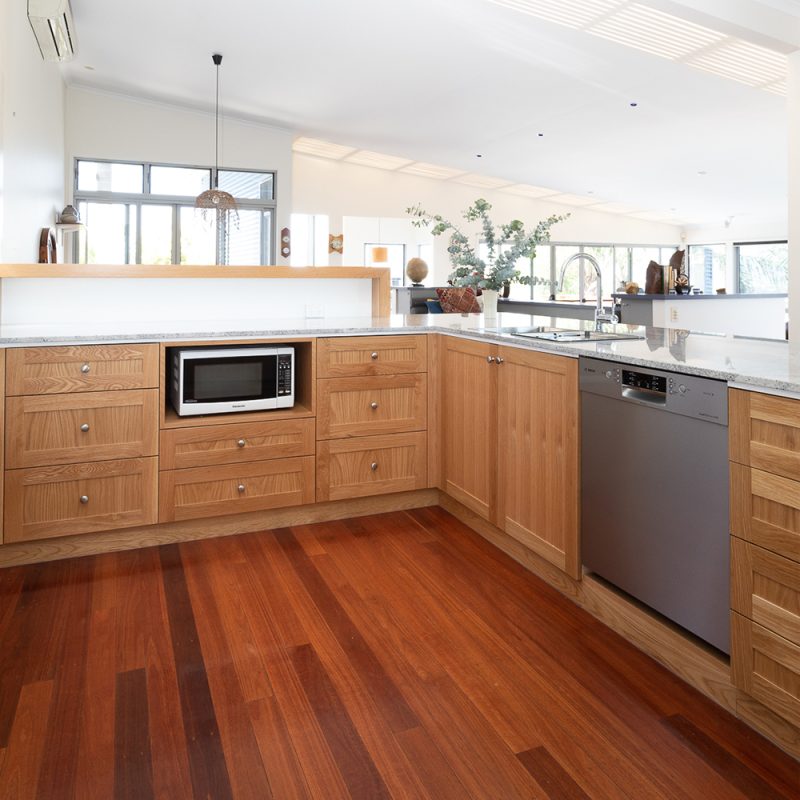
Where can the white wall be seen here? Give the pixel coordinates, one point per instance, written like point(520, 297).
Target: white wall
point(110, 126)
point(339, 189)
point(793, 101)
point(31, 138)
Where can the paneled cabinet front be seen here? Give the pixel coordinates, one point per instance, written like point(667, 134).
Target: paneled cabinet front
point(510, 441)
point(92, 426)
point(371, 405)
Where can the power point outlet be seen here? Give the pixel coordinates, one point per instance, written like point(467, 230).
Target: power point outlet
point(673, 315)
point(315, 311)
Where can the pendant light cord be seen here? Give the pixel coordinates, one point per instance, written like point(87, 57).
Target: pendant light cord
point(217, 59)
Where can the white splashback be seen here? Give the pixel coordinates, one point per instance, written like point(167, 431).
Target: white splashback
point(51, 300)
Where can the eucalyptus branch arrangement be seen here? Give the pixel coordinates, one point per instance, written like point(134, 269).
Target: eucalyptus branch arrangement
point(505, 244)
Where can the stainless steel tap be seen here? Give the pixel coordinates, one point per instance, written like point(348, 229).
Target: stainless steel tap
point(600, 315)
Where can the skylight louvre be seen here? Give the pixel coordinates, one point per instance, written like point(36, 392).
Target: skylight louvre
point(317, 147)
point(655, 32)
point(781, 88)
point(742, 61)
point(481, 181)
point(526, 190)
point(367, 158)
point(571, 13)
point(431, 171)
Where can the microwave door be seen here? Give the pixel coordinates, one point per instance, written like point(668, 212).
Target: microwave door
point(225, 383)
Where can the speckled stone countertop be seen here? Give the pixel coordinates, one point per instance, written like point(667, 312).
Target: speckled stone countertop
point(767, 365)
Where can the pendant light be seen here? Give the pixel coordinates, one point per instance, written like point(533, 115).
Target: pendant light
point(380, 254)
point(215, 199)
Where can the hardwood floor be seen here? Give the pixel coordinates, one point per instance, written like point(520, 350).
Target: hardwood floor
point(393, 656)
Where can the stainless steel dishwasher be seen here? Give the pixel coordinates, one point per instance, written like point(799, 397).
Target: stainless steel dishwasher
point(654, 491)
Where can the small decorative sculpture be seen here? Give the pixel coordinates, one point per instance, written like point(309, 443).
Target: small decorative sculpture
point(417, 270)
point(335, 243)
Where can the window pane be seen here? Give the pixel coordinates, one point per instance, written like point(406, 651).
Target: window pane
point(569, 291)
point(249, 185)
point(764, 267)
point(605, 257)
point(242, 243)
point(622, 266)
point(198, 238)
point(179, 181)
point(640, 258)
point(541, 269)
point(707, 263)
point(107, 239)
point(156, 234)
point(396, 262)
point(101, 176)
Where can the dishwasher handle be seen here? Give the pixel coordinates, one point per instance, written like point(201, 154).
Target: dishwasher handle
point(651, 398)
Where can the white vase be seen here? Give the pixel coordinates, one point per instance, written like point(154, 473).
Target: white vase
point(490, 303)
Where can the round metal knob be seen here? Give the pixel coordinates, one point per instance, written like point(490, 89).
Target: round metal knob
point(85, 427)
point(240, 487)
point(373, 406)
point(241, 443)
point(84, 499)
point(85, 368)
point(373, 466)
point(499, 359)
point(373, 356)
point(490, 359)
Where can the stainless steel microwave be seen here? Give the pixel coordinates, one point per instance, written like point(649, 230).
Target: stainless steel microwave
point(223, 380)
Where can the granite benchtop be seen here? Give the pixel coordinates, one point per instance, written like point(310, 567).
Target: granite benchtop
point(762, 364)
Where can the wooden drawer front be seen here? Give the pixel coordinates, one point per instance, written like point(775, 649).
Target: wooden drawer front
point(69, 429)
point(365, 406)
point(233, 444)
point(766, 589)
point(85, 368)
point(350, 356)
point(767, 667)
point(765, 510)
point(371, 465)
point(235, 488)
point(46, 501)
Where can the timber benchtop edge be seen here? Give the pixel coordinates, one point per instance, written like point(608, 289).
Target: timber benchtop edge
point(187, 271)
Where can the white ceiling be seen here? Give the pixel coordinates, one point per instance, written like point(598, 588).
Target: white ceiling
point(440, 81)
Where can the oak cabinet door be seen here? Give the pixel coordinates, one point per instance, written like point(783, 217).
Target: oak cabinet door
point(469, 421)
point(538, 476)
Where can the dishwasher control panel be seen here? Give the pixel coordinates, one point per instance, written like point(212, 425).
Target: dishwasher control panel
point(689, 395)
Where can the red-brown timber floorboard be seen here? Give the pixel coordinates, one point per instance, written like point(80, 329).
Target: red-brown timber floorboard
point(392, 656)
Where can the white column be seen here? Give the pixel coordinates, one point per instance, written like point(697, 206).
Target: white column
point(793, 107)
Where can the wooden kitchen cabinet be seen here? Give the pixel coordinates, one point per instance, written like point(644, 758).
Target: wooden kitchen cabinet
point(371, 405)
point(209, 445)
point(469, 424)
point(537, 465)
point(235, 488)
point(510, 440)
point(369, 465)
point(81, 368)
point(80, 498)
point(357, 356)
point(90, 426)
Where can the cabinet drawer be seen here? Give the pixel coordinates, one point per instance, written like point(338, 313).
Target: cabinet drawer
point(72, 428)
point(765, 510)
point(766, 589)
point(235, 488)
point(767, 667)
point(80, 498)
point(371, 465)
point(351, 356)
point(365, 406)
point(84, 368)
point(233, 444)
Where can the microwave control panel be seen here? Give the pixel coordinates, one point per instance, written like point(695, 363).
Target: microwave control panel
point(284, 375)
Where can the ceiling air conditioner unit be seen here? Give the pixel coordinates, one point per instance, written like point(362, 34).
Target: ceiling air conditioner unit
point(53, 28)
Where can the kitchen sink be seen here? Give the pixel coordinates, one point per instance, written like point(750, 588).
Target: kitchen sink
point(569, 335)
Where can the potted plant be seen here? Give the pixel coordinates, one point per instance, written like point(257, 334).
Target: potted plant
point(505, 245)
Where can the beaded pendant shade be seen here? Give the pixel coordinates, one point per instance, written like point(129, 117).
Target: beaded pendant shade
point(215, 199)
